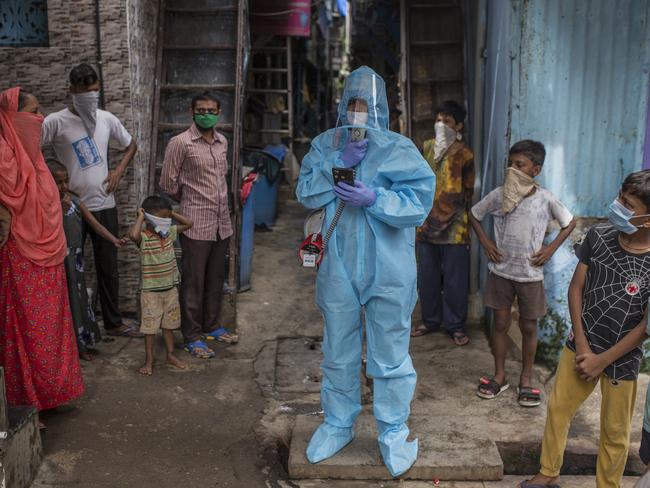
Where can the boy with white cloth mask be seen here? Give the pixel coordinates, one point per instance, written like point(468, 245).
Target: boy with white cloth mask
point(443, 239)
point(159, 305)
point(369, 263)
point(521, 210)
point(80, 135)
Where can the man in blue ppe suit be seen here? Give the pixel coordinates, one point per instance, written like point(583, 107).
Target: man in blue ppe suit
point(369, 263)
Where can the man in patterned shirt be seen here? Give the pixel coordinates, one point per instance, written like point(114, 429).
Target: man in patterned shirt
point(194, 174)
point(443, 239)
point(608, 299)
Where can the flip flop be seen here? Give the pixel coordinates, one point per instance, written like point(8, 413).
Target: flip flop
point(221, 335)
point(86, 356)
point(199, 349)
point(489, 389)
point(420, 330)
point(528, 396)
point(458, 337)
point(526, 484)
point(125, 331)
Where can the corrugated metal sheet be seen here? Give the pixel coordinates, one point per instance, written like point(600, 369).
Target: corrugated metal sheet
point(646, 144)
point(580, 80)
point(497, 78)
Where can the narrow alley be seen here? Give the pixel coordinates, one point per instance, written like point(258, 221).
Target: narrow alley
point(479, 174)
point(228, 422)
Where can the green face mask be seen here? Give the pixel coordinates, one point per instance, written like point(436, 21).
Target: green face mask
point(206, 121)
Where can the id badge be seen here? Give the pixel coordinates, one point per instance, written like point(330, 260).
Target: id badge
point(309, 260)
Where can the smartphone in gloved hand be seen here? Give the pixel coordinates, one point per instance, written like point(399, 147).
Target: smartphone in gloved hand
point(343, 174)
point(357, 134)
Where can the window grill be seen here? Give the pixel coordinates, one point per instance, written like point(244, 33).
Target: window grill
point(23, 23)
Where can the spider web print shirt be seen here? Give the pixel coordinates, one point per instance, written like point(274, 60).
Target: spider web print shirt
point(614, 299)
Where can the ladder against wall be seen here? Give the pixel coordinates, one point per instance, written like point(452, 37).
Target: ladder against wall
point(433, 61)
point(269, 93)
point(202, 48)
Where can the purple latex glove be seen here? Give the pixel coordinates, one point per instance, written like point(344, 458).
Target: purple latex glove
point(359, 194)
point(353, 153)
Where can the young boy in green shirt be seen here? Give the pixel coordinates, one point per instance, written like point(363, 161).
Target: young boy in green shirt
point(160, 276)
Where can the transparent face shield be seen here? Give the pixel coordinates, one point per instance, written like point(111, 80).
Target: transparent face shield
point(363, 108)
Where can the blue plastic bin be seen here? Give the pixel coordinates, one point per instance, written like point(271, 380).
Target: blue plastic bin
point(267, 164)
point(246, 242)
point(266, 198)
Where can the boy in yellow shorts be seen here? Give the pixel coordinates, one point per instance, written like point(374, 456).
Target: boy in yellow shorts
point(608, 299)
point(160, 277)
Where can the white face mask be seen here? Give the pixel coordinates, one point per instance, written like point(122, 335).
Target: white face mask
point(445, 137)
point(357, 118)
point(86, 106)
point(516, 187)
point(160, 224)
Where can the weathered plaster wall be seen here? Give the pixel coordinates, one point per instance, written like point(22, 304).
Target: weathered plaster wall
point(128, 42)
point(142, 22)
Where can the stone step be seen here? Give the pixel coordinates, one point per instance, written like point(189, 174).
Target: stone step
point(506, 482)
point(21, 451)
point(446, 451)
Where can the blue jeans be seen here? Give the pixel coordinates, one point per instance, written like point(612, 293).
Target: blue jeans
point(443, 285)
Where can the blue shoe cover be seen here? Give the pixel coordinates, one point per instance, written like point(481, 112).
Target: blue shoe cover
point(327, 440)
point(398, 453)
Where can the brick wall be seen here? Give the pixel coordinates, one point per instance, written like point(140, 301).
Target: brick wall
point(128, 41)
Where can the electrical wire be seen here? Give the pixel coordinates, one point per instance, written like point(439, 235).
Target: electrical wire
point(337, 215)
point(335, 220)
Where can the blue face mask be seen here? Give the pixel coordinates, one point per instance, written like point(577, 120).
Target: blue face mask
point(619, 217)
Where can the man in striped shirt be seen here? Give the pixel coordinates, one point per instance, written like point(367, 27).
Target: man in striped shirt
point(194, 174)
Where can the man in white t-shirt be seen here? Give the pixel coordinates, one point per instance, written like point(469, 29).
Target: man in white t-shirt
point(80, 136)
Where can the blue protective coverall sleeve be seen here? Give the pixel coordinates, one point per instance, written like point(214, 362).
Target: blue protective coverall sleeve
point(315, 185)
point(408, 200)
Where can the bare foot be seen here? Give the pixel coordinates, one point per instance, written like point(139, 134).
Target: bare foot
point(540, 479)
point(86, 356)
point(146, 370)
point(174, 361)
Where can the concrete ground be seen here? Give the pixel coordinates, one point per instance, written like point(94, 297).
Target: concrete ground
point(201, 427)
point(194, 428)
point(227, 422)
point(507, 482)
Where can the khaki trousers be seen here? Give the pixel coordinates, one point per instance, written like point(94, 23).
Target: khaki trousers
point(616, 409)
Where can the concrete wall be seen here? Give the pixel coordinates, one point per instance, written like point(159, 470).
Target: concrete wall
point(128, 40)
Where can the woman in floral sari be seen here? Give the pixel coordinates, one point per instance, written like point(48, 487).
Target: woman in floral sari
point(37, 343)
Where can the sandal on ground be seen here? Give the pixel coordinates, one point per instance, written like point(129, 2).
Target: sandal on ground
point(86, 356)
point(527, 484)
point(125, 330)
point(222, 335)
point(528, 396)
point(460, 338)
point(199, 349)
point(420, 330)
point(489, 388)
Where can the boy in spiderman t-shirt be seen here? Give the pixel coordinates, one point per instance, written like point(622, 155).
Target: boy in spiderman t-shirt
point(608, 299)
